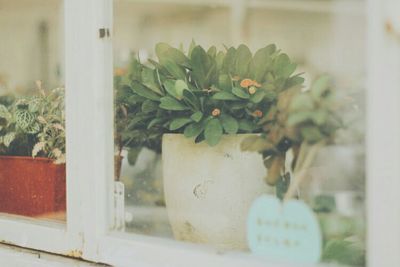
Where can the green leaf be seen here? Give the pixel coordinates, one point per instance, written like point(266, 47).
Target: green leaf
point(170, 103)
point(197, 116)
point(200, 66)
point(294, 81)
point(191, 47)
point(213, 132)
point(169, 86)
point(299, 117)
point(4, 113)
point(240, 93)
point(225, 82)
point(320, 86)
point(166, 53)
point(243, 58)
point(148, 79)
point(258, 96)
point(190, 98)
point(319, 117)
point(224, 96)
point(8, 138)
point(154, 122)
point(133, 154)
point(311, 134)
point(193, 129)
point(212, 51)
point(263, 61)
point(180, 86)
point(144, 91)
point(228, 65)
point(344, 252)
point(149, 106)
point(230, 124)
point(220, 59)
point(283, 67)
point(179, 123)
point(176, 71)
point(247, 126)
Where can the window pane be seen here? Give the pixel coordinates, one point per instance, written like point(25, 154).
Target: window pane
point(32, 137)
point(187, 118)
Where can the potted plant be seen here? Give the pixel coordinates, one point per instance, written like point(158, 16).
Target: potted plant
point(32, 154)
point(294, 131)
point(202, 105)
point(303, 127)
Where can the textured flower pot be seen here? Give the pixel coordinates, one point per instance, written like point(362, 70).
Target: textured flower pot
point(31, 186)
point(208, 190)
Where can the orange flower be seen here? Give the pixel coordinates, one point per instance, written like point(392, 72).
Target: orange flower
point(252, 90)
point(216, 112)
point(256, 84)
point(257, 113)
point(246, 83)
point(119, 72)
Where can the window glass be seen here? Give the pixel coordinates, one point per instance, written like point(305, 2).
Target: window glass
point(32, 136)
point(186, 142)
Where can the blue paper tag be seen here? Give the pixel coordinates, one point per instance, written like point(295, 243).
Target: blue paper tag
point(285, 231)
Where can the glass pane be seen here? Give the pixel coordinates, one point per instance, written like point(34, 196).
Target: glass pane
point(189, 118)
point(32, 137)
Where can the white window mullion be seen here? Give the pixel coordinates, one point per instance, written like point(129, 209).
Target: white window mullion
point(383, 128)
point(89, 101)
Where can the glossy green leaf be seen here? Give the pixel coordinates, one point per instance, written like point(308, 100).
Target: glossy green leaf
point(170, 103)
point(169, 86)
point(191, 100)
point(230, 124)
point(144, 91)
point(149, 106)
point(258, 96)
point(228, 65)
point(246, 126)
point(240, 92)
point(148, 79)
point(225, 82)
point(197, 116)
point(200, 66)
point(180, 85)
point(193, 129)
point(176, 71)
point(213, 132)
point(225, 96)
point(179, 123)
point(154, 122)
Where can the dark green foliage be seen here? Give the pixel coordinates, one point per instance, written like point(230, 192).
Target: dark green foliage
point(200, 94)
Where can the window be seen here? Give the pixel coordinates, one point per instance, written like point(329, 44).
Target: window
point(128, 221)
point(31, 75)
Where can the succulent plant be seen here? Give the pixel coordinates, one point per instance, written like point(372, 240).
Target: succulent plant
point(203, 94)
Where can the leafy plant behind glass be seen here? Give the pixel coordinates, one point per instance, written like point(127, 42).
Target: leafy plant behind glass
point(202, 94)
point(34, 126)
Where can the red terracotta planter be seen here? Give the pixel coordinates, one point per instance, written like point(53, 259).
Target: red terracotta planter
point(31, 186)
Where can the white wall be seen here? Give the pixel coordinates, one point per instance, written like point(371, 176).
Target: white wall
point(21, 59)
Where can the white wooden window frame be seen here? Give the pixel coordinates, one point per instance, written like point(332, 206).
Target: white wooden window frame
point(89, 114)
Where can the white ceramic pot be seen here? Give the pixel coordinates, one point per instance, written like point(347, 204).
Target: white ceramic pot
point(208, 190)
